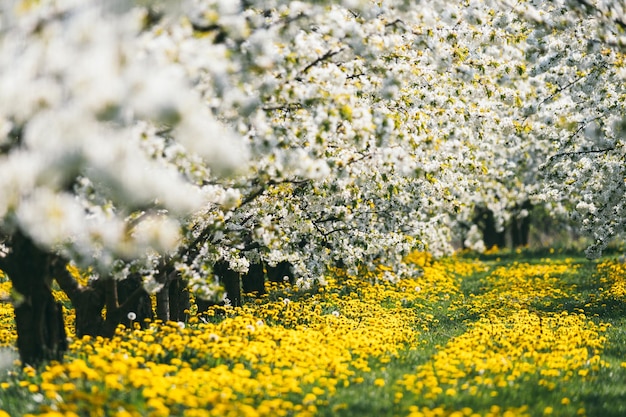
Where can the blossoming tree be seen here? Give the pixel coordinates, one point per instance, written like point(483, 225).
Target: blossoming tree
point(157, 147)
point(82, 105)
point(577, 56)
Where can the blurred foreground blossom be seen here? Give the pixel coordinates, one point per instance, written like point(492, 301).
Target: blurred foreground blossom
point(80, 94)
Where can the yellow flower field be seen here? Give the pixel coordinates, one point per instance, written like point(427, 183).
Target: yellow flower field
point(463, 337)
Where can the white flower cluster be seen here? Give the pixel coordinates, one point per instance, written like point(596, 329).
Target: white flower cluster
point(312, 134)
point(579, 111)
point(80, 94)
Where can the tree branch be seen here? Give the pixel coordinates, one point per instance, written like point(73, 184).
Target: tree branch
point(329, 54)
point(619, 22)
point(563, 88)
point(577, 153)
point(131, 301)
point(251, 197)
point(580, 129)
point(350, 77)
point(72, 288)
point(339, 229)
point(286, 106)
point(285, 21)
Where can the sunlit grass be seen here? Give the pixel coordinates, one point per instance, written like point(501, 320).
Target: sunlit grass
point(463, 337)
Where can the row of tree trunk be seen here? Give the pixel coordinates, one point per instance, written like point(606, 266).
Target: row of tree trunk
point(104, 304)
point(518, 229)
point(38, 316)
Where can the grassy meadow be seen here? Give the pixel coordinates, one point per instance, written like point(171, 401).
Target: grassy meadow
point(507, 334)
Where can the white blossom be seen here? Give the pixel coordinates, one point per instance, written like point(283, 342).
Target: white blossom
point(349, 135)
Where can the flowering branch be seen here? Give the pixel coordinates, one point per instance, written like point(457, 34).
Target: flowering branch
point(585, 152)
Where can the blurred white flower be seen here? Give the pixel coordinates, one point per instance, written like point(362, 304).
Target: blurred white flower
point(8, 358)
point(51, 218)
point(151, 285)
point(232, 199)
point(158, 232)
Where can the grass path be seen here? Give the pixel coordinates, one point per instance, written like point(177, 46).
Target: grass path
point(514, 335)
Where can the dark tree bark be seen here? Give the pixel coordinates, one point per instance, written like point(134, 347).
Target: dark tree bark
point(88, 309)
point(119, 298)
point(179, 300)
point(516, 237)
point(231, 281)
point(485, 220)
point(520, 228)
point(525, 224)
point(41, 332)
point(172, 301)
point(88, 301)
point(254, 280)
point(117, 309)
point(163, 303)
point(142, 306)
point(525, 231)
point(279, 272)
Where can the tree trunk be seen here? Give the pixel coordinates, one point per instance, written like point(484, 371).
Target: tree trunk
point(231, 281)
point(119, 297)
point(516, 238)
point(163, 303)
point(41, 332)
point(486, 222)
point(254, 280)
point(520, 228)
point(142, 306)
point(172, 301)
point(525, 224)
point(179, 299)
point(88, 309)
point(280, 273)
point(88, 301)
